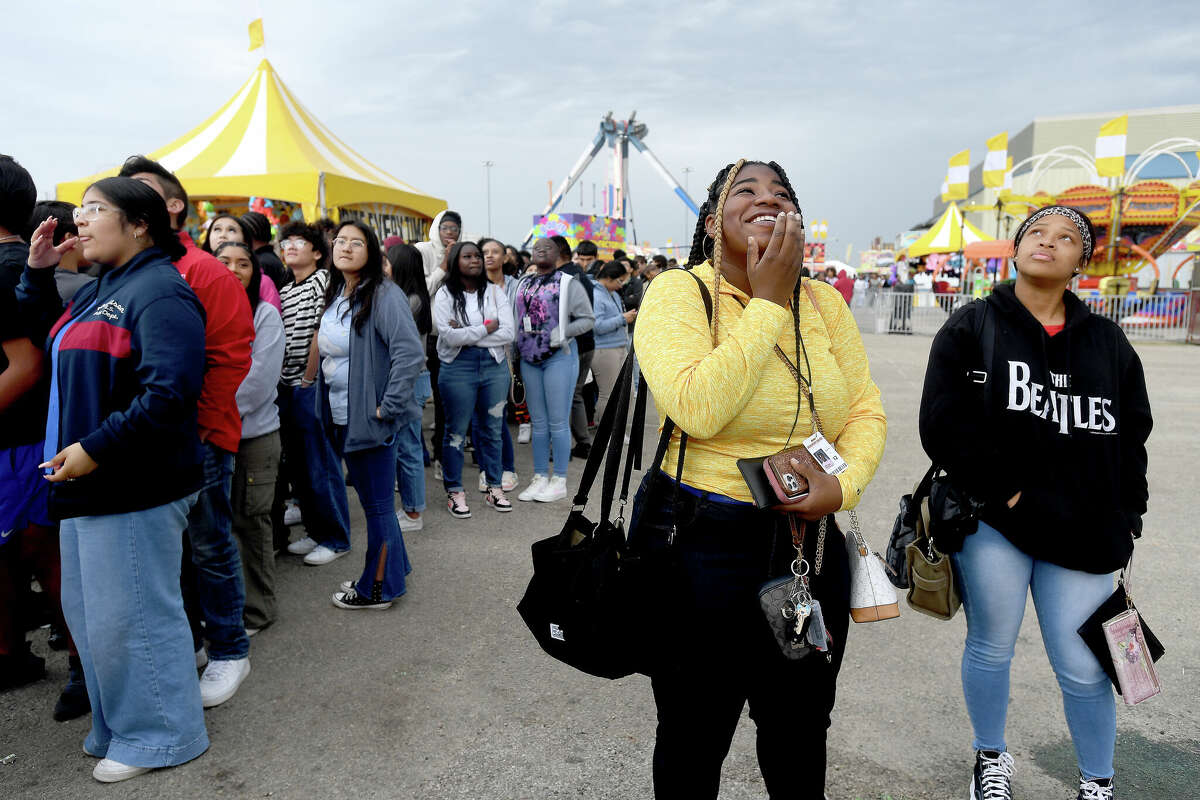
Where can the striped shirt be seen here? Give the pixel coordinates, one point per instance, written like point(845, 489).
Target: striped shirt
point(303, 304)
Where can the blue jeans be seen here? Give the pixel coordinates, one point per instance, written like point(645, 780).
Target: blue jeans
point(216, 572)
point(315, 470)
point(508, 455)
point(387, 563)
point(994, 578)
point(473, 386)
point(121, 600)
point(410, 453)
point(549, 391)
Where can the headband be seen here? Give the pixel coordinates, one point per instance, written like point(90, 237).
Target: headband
point(1078, 219)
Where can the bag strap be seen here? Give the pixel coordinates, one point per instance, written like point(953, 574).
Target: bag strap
point(604, 433)
point(612, 462)
point(610, 433)
point(985, 334)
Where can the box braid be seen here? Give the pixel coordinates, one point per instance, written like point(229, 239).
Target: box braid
point(715, 204)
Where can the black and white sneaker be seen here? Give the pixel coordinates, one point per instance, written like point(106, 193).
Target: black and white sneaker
point(1095, 789)
point(993, 776)
point(350, 599)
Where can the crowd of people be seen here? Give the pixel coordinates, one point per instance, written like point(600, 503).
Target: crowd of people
point(190, 404)
point(170, 410)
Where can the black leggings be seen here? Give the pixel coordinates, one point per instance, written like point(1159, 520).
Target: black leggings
point(719, 652)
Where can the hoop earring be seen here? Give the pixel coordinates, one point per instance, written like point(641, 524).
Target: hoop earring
point(708, 255)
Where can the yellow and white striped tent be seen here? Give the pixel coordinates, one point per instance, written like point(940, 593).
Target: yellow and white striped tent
point(265, 143)
point(950, 234)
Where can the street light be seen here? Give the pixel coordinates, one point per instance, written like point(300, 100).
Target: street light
point(487, 176)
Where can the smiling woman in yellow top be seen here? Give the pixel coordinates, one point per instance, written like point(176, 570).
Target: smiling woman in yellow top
point(725, 383)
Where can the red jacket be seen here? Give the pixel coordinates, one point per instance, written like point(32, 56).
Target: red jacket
point(228, 333)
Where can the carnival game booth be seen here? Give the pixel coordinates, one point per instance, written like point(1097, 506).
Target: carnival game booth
point(264, 150)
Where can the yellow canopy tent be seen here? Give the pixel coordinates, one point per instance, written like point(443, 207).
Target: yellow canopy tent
point(265, 143)
point(950, 234)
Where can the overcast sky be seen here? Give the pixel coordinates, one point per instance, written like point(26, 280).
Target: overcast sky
point(861, 102)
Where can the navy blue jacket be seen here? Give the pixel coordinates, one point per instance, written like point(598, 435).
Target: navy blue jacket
point(129, 375)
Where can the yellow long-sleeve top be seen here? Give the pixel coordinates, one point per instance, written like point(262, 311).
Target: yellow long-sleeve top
point(736, 398)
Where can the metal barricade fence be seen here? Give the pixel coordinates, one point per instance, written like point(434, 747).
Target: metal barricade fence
point(1161, 317)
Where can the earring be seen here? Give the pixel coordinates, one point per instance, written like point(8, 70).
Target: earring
point(707, 237)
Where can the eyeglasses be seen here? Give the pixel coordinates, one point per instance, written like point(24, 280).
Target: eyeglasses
point(448, 227)
point(294, 243)
point(353, 244)
point(89, 212)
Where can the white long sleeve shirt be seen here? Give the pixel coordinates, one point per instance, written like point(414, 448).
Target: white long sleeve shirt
point(472, 332)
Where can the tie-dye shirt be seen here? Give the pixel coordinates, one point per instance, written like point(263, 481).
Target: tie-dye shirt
point(537, 301)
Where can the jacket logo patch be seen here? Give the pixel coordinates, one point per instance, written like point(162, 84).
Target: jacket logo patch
point(1068, 411)
point(111, 310)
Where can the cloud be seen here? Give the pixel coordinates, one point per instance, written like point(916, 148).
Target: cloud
point(861, 102)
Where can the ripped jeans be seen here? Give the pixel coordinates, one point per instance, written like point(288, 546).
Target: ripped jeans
point(473, 385)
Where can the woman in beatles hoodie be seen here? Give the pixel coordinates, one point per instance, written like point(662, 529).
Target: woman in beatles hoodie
point(1051, 436)
point(123, 460)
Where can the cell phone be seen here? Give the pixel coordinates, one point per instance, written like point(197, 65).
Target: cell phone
point(789, 486)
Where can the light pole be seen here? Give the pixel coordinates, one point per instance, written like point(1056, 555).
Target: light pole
point(487, 176)
point(686, 172)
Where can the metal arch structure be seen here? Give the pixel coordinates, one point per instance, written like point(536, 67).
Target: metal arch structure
point(617, 135)
point(1165, 147)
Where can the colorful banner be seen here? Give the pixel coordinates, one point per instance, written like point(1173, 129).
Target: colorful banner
point(607, 233)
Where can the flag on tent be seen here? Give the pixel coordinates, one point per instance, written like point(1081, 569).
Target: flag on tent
point(256, 34)
point(946, 189)
point(996, 160)
point(959, 175)
point(1110, 147)
point(1007, 185)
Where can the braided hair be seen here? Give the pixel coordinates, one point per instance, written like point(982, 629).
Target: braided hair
point(714, 204)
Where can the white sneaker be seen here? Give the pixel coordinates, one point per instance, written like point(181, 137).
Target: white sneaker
point(407, 523)
point(483, 481)
point(536, 485)
point(221, 679)
point(524, 433)
point(508, 481)
point(303, 546)
point(555, 489)
point(109, 771)
point(321, 555)
point(291, 515)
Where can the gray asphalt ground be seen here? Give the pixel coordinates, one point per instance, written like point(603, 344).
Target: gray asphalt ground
point(446, 695)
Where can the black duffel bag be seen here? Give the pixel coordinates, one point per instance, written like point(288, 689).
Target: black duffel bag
point(589, 603)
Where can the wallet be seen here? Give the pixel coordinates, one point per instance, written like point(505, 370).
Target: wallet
point(771, 479)
point(756, 480)
point(1095, 633)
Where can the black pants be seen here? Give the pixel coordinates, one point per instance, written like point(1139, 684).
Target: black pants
point(719, 653)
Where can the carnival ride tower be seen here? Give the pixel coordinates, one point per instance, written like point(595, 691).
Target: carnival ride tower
point(617, 135)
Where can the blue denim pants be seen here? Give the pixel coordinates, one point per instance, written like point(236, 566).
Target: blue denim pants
point(410, 452)
point(121, 600)
point(386, 563)
point(474, 386)
point(216, 581)
point(549, 391)
point(994, 578)
point(314, 467)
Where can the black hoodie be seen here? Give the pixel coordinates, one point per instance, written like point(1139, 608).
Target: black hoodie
point(1062, 419)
